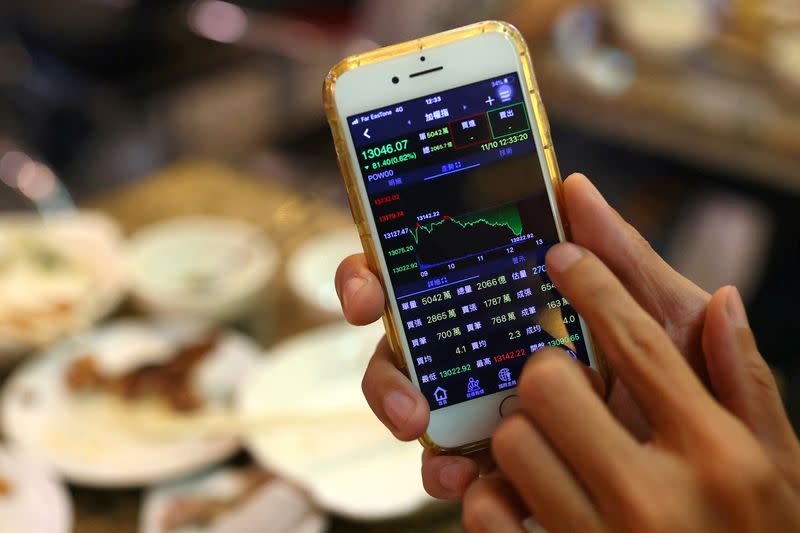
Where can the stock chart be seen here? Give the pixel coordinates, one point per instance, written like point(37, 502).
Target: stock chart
point(464, 220)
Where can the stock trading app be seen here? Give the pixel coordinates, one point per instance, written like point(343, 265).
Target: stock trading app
point(464, 221)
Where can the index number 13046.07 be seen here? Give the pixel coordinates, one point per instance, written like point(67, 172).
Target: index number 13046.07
point(384, 149)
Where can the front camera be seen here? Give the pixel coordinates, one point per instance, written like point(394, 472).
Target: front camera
point(395, 80)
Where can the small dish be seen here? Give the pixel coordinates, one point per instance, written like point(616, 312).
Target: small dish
point(202, 267)
point(311, 269)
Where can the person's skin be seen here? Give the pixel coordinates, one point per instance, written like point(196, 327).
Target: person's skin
point(677, 304)
point(724, 463)
point(651, 322)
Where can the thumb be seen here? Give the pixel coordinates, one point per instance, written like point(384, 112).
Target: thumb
point(743, 382)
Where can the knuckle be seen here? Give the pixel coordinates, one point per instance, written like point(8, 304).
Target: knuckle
point(634, 494)
point(635, 237)
point(747, 465)
point(763, 480)
point(635, 336)
point(639, 337)
point(761, 375)
point(758, 473)
point(640, 241)
point(599, 288)
point(741, 473)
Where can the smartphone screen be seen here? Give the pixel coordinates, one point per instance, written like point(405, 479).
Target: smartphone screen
point(464, 219)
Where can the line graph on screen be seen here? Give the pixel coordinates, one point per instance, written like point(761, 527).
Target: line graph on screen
point(451, 238)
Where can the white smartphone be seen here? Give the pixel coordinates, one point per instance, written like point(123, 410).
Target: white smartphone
point(451, 176)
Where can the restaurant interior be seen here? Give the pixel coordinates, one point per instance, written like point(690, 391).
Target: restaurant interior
point(173, 355)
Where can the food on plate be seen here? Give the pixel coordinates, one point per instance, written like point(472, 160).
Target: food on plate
point(58, 275)
point(169, 379)
point(5, 488)
point(42, 288)
point(100, 421)
point(201, 511)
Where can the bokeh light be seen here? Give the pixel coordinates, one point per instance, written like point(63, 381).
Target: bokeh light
point(219, 21)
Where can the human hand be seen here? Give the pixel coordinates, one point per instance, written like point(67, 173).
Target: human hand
point(727, 462)
point(676, 304)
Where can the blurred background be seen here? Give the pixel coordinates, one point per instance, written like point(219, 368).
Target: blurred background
point(685, 113)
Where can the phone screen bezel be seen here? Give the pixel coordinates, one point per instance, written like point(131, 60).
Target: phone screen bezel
point(369, 87)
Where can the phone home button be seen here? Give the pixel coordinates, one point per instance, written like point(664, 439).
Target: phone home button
point(509, 405)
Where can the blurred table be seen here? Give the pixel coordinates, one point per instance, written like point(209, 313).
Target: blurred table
point(740, 127)
point(289, 217)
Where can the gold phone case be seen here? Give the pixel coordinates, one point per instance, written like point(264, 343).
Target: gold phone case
point(350, 174)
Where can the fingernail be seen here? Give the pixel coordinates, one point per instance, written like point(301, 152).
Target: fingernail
point(450, 477)
point(352, 286)
point(562, 256)
point(734, 307)
point(399, 407)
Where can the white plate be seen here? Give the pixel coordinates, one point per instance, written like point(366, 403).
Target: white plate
point(92, 243)
point(281, 505)
point(335, 447)
point(204, 267)
point(95, 439)
point(665, 27)
point(311, 269)
point(37, 501)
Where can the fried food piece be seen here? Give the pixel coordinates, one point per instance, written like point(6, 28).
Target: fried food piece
point(171, 381)
point(5, 488)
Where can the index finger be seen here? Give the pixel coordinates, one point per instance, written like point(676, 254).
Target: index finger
point(636, 346)
point(674, 301)
point(359, 290)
